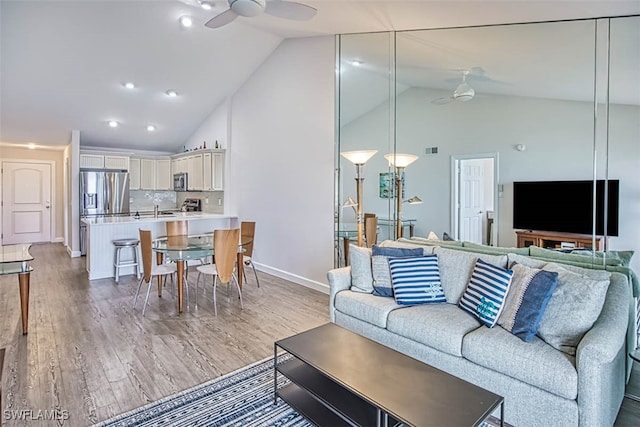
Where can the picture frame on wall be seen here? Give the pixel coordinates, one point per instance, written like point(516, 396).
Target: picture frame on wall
point(388, 187)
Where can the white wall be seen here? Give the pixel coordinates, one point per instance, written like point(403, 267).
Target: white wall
point(278, 130)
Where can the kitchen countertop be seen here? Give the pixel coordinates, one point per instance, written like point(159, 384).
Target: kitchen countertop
point(145, 218)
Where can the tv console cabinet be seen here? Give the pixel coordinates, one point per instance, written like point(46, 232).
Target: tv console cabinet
point(554, 240)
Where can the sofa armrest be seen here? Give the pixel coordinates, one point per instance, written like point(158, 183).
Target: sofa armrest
point(601, 357)
point(339, 280)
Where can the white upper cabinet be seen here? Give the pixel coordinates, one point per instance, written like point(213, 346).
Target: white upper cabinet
point(194, 172)
point(103, 161)
point(134, 174)
point(164, 179)
point(147, 174)
point(116, 162)
point(213, 171)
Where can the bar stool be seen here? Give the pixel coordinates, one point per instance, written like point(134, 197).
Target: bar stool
point(122, 244)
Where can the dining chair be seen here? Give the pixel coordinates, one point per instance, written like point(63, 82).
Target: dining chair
point(248, 230)
point(151, 269)
point(225, 248)
point(370, 229)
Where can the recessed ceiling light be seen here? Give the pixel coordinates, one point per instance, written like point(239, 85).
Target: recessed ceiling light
point(129, 85)
point(113, 124)
point(171, 93)
point(151, 128)
point(206, 5)
point(32, 146)
point(186, 21)
point(356, 63)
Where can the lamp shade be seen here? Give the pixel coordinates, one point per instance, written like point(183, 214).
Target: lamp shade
point(358, 157)
point(400, 160)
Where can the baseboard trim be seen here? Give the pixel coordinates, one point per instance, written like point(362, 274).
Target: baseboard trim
point(72, 254)
point(58, 240)
point(299, 280)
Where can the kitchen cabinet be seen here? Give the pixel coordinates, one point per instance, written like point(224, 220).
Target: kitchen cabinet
point(204, 169)
point(164, 179)
point(147, 174)
point(213, 171)
point(194, 172)
point(102, 161)
point(134, 174)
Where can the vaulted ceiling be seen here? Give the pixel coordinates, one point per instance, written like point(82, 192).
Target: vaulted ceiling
point(63, 64)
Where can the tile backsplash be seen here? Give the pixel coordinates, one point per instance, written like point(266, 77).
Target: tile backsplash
point(144, 200)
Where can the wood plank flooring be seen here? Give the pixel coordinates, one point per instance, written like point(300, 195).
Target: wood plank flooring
point(90, 355)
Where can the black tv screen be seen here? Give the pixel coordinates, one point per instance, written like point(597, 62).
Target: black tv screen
point(565, 206)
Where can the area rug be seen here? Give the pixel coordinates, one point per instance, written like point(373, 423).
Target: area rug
point(241, 398)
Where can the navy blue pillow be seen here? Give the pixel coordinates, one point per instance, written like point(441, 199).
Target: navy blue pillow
point(382, 286)
point(530, 292)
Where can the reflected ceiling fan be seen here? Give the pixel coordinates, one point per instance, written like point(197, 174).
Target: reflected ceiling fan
point(250, 8)
point(463, 92)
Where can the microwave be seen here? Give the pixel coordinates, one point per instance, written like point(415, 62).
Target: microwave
point(180, 181)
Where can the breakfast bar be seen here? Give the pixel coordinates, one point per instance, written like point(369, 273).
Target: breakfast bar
point(102, 231)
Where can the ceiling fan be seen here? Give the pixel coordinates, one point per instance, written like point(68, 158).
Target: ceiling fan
point(250, 8)
point(463, 92)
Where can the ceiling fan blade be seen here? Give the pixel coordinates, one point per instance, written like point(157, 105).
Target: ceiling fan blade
point(290, 10)
point(442, 101)
point(222, 19)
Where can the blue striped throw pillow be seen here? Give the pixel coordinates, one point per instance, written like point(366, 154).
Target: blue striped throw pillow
point(486, 291)
point(416, 280)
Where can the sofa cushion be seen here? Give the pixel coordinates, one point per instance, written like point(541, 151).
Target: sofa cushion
point(416, 280)
point(535, 362)
point(574, 307)
point(455, 269)
point(495, 250)
point(366, 307)
point(527, 300)
point(361, 275)
point(439, 326)
point(380, 266)
point(486, 291)
point(554, 255)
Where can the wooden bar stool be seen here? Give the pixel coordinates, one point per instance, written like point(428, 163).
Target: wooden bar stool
point(121, 244)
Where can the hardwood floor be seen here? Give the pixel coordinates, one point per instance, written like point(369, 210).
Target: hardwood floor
point(90, 356)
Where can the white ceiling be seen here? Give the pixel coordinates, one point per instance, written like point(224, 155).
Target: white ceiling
point(62, 63)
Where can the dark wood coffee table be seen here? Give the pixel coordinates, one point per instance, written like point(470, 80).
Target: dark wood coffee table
point(341, 378)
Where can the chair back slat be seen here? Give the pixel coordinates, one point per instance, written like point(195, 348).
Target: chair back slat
point(177, 228)
point(371, 229)
point(225, 247)
point(248, 229)
point(147, 253)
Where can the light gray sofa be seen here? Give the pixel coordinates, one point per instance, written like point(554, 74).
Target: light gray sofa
point(541, 385)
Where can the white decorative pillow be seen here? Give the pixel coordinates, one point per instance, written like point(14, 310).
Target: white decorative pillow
point(574, 307)
point(486, 291)
point(361, 276)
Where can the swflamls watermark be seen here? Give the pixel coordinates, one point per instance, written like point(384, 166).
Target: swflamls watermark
point(34, 415)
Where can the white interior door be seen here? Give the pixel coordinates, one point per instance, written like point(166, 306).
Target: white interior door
point(471, 200)
point(26, 203)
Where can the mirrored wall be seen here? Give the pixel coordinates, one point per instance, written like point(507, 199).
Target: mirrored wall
point(488, 111)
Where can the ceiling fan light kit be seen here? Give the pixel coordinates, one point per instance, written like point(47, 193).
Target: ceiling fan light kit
point(247, 8)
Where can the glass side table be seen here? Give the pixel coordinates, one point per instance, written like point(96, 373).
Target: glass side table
point(635, 356)
point(14, 259)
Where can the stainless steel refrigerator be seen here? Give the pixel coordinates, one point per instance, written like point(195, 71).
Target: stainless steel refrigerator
point(102, 193)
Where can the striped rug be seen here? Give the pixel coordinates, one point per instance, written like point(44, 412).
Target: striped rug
point(241, 398)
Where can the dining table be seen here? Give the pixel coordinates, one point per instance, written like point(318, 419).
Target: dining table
point(180, 249)
point(14, 259)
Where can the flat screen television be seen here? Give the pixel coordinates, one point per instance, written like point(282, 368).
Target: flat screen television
point(565, 206)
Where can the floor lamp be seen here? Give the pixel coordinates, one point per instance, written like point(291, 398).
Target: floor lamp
point(400, 161)
point(359, 158)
